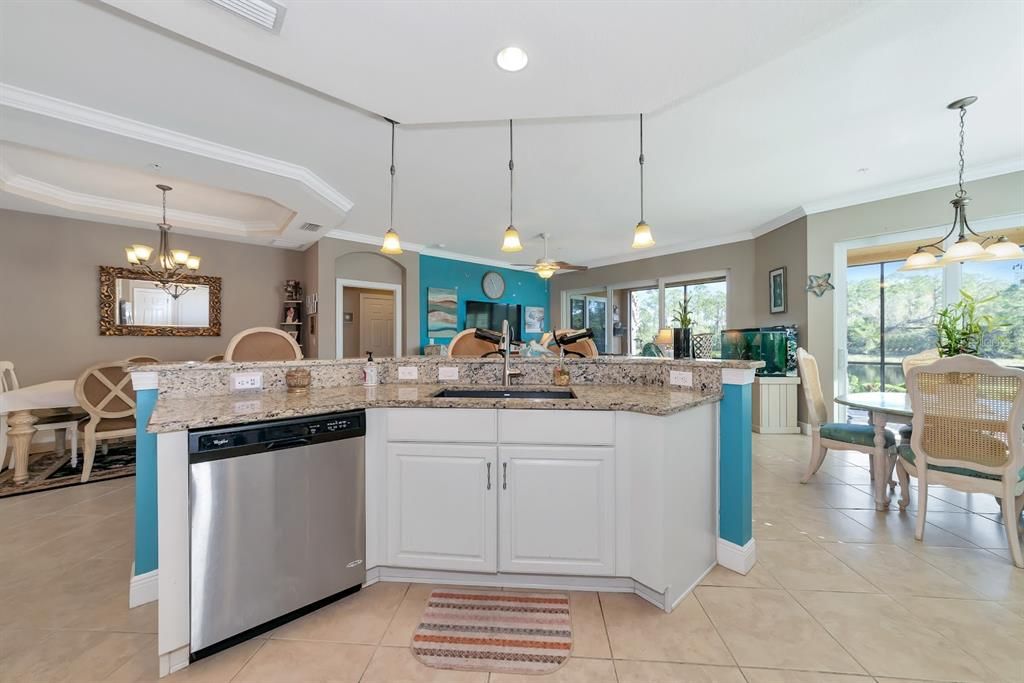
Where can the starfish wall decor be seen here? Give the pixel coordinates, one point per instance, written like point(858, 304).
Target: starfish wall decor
point(819, 284)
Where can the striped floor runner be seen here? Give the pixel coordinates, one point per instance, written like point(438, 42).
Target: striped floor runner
point(499, 631)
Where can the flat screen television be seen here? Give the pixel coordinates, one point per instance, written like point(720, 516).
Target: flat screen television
point(488, 315)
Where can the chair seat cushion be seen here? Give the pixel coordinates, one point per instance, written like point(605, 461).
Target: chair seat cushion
point(111, 424)
point(861, 435)
point(908, 454)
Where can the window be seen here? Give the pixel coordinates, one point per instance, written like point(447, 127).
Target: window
point(643, 318)
point(1003, 283)
point(706, 307)
point(890, 315)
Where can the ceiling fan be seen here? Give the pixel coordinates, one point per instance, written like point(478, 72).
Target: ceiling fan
point(545, 267)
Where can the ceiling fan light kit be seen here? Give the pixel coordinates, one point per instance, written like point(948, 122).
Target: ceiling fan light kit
point(392, 245)
point(172, 265)
point(969, 246)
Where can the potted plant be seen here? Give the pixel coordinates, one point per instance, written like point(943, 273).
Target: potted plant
point(961, 329)
point(682, 329)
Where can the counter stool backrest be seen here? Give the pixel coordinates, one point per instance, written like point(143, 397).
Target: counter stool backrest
point(968, 413)
point(105, 390)
point(810, 380)
point(466, 344)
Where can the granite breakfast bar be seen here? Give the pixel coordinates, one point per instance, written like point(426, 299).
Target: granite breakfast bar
point(640, 483)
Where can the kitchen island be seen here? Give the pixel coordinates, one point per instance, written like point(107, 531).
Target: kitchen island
point(616, 489)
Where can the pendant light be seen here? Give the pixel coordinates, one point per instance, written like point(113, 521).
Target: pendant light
point(969, 246)
point(392, 245)
point(511, 242)
point(172, 265)
point(642, 237)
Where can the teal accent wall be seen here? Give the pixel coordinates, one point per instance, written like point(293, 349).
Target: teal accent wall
point(735, 496)
point(521, 287)
point(145, 484)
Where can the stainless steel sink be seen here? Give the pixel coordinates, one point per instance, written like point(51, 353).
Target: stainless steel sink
point(549, 394)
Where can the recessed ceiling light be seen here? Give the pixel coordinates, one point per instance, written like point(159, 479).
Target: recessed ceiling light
point(863, 169)
point(512, 59)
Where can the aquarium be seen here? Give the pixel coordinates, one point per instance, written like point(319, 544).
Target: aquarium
point(776, 346)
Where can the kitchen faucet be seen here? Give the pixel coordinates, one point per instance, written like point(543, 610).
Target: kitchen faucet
point(505, 344)
point(506, 350)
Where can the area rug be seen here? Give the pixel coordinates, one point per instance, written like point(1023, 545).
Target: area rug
point(496, 631)
point(51, 471)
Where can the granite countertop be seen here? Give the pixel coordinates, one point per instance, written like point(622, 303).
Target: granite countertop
point(178, 414)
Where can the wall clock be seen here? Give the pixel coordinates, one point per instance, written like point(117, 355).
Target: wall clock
point(493, 284)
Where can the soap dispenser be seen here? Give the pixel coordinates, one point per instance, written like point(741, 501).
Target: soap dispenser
point(370, 371)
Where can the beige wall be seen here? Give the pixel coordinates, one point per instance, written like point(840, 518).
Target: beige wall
point(991, 197)
point(350, 331)
point(358, 261)
point(49, 310)
point(736, 258)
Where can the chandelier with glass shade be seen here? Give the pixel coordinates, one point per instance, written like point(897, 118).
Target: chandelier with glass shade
point(969, 245)
point(168, 267)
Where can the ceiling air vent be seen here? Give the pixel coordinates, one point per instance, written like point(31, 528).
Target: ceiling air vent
point(310, 227)
point(267, 14)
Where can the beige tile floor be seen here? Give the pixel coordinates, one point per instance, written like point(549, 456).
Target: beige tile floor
point(841, 594)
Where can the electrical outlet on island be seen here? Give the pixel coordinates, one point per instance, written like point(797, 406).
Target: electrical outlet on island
point(246, 381)
point(408, 372)
point(680, 378)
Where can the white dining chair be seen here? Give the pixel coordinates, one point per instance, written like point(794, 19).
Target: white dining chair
point(967, 435)
point(105, 392)
point(60, 422)
point(839, 436)
point(926, 357)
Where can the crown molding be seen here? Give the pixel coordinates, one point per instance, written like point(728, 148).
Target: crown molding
point(778, 222)
point(44, 105)
point(673, 248)
point(424, 250)
point(47, 193)
point(456, 256)
point(905, 187)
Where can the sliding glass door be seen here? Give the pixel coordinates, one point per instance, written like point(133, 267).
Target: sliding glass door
point(590, 311)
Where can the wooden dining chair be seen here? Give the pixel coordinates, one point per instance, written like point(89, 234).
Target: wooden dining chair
point(105, 392)
point(839, 436)
point(967, 435)
point(925, 357)
point(466, 344)
point(262, 344)
point(59, 421)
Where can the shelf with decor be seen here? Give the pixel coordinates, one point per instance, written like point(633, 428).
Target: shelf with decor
point(292, 310)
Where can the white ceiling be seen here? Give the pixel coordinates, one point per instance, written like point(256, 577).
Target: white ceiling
point(867, 90)
point(422, 62)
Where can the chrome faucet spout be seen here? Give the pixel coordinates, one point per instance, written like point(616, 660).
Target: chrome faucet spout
point(506, 351)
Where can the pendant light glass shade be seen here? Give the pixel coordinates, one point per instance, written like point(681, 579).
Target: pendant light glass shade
point(964, 250)
point(920, 260)
point(511, 242)
point(642, 237)
point(193, 263)
point(129, 253)
point(392, 245)
point(142, 252)
point(1004, 250)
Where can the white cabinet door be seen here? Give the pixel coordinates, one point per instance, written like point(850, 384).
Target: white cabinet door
point(442, 506)
point(557, 509)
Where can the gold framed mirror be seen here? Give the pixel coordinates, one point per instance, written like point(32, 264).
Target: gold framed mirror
point(133, 304)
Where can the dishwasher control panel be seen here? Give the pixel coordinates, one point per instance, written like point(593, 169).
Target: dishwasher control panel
point(275, 434)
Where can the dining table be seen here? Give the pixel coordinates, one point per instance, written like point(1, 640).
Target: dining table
point(882, 408)
point(16, 416)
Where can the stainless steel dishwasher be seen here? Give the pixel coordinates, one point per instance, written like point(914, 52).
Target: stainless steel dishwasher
point(277, 522)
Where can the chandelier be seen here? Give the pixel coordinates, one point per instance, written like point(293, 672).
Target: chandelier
point(170, 267)
point(969, 245)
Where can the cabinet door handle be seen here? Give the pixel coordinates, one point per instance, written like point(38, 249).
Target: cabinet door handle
point(504, 475)
point(488, 476)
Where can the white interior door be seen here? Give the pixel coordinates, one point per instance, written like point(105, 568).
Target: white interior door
point(557, 510)
point(442, 507)
point(151, 306)
point(377, 324)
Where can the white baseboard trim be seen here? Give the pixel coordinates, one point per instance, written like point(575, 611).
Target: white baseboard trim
point(172, 661)
point(143, 588)
point(805, 428)
point(739, 559)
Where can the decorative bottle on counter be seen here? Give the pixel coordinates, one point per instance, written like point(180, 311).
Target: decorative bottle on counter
point(370, 371)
